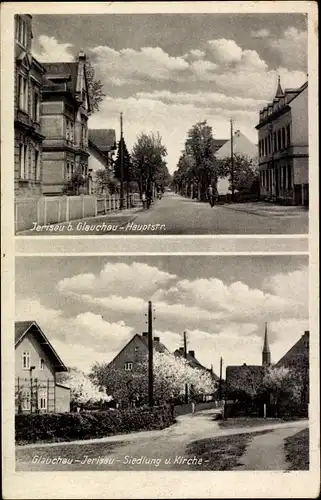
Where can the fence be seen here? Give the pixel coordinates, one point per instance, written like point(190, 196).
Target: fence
point(34, 395)
point(185, 409)
point(44, 210)
point(257, 409)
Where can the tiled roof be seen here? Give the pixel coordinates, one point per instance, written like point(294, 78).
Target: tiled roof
point(218, 143)
point(103, 139)
point(158, 346)
point(20, 329)
point(300, 349)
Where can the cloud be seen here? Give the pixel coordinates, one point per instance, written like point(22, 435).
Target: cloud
point(118, 278)
point(132, 66)
point(53, 51)
point(225, 51)
point(263, 33)
point(194, 54)
point(293, 287)
point(292, 47)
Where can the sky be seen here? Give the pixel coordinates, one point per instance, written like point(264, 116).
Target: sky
point(90, 307)
point(166, 72)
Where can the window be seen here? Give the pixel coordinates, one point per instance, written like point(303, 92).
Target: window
point(37, 165)
point(42, 399)
point(36, 106)
point(279, 140)
point(26, 360)
point(25, 399)
point(128, 367)
point(136, 349)
point(283, 138)
point(274, 142)
point(289, 185)
point(288, 136)
point(42, 364)
point(23, 93)
point(23, 161)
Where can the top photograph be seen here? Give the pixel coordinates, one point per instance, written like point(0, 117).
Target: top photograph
point(161, 124)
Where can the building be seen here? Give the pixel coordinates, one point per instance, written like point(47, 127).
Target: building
point(193, 362)
point(297, 359)
point(284, 147)
point(36, 367)
point(218, 143)
point(101, 147)
point(241, 146)
point(64, 123)
point(136, 352)
point(28, 137)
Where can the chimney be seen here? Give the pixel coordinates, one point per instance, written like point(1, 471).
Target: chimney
point(307, 332)
point(156, 339)
point(145, 334)
point(181, 349)
point(192, 353)
point(81, 55)
point(244, 364)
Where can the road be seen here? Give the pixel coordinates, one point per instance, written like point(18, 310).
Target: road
point(158, 450)
point(176, 215)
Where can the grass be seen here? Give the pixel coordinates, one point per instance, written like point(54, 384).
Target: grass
point(221, 453)
point(69, 451)
point(297, 450)
point(240, 422)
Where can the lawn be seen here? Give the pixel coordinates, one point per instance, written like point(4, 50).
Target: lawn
point(221, 453)
point(297, 450)
point(240, 422)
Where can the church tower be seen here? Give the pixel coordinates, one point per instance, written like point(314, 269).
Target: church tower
point(266, 354)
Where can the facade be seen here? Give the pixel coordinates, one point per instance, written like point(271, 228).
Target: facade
point(284, 147)
point(135, 352)
point(101, 147)
point(36, 367)
point(28, 137)
point(64, 123)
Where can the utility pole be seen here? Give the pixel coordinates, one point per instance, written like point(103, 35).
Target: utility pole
point(221, 373)
point(232, 160)
point(121, 156)
point(150, 356)
point(185, 356)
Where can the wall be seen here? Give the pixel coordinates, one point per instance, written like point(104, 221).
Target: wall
point(28, 343)
point(135, 352)
point(96, 161)
point(62, 399)
point(300, 126)
point(301, 170)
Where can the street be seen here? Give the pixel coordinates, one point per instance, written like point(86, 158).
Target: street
point(176, 215)
point(151, 450)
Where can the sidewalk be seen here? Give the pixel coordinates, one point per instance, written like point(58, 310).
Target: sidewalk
point(268, 209)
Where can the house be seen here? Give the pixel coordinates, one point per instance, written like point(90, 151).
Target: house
point(136, 352)
point(241, 146)
point(193, 362)
point(65, 110)
point(101, 147)
point(36, 367)
point(297, 359)
point(218, 143)
point(28, 137)
point(284, 147)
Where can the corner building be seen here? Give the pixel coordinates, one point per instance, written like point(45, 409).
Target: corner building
point(283, 147)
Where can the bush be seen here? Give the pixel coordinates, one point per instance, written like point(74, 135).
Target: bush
point(53, 427)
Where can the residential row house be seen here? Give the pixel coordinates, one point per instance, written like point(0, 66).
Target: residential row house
point(284, 147)
point(51, 112)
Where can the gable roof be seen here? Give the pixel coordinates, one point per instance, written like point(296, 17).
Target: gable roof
point(299, 350)
point(218, 143)
point(158, 346)
point(23, 327)
point(103, 139)
point(194, 363)
point(241, 145)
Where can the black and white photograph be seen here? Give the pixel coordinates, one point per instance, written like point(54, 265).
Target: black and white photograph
point(162, 363)
point(167, 124)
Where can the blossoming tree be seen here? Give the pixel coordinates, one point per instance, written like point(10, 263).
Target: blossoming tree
point(83, 390)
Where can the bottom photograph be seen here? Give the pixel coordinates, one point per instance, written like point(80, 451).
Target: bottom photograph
point(162, 363)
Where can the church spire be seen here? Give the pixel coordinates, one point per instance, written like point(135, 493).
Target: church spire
point(266, 354)
point(279, 90)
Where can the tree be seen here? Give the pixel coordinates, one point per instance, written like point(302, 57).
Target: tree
point(148, 159)
point(82, 389)
point(127, 167)
point(245, 173)
point(170, 376)
point(281, 384)
point(95, 88)
point(197, 166)
point(74, 184)
point(104, 182)
point(244, 382)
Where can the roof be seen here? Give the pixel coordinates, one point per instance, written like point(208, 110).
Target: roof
point(23, 327)
point(299, 350)
point(158, 346)
point(218, 143)
point(279, 90)
point(192, 361)
point(64, 69)
point(241, 145)
point(103, 139)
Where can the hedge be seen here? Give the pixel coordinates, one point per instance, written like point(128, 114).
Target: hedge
point(54, 427)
